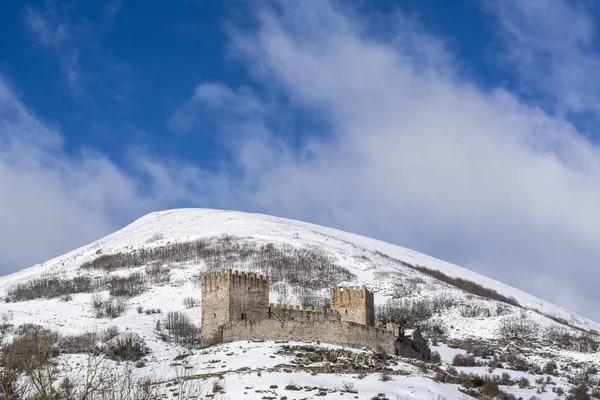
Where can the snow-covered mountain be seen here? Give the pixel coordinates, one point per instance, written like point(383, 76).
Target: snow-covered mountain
point(168, 251)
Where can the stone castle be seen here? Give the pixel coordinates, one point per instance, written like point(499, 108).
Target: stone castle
point(235, 306)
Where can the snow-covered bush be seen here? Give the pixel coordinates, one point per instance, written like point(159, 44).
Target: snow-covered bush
point(312, 268)
point(112, 307)
point(128, 346)
point(128, 286)
point(181, 329)
point(154, 238)
point(567, 339)
point(467, 285)
point(190, 302)
point(464, 360)
point(76, 344)
point(158, 274)
point(516, 328)
point(405, 313)
point(48, 286)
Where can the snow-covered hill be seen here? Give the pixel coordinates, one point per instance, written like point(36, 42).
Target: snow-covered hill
point(399, 276)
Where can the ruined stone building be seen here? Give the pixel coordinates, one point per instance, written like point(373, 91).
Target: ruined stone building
point(235, 306)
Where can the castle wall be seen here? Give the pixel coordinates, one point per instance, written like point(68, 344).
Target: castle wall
point(354, 304)
point(405, 347)
point(337, 332)
point(235, 306)
point(295, 313)
point(215, 304)
point(249, 297)
point(229, 296)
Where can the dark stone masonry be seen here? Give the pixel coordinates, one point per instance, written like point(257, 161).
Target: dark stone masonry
point(235, 306)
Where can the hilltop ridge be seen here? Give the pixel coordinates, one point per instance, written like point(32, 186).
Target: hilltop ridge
point(144, 280)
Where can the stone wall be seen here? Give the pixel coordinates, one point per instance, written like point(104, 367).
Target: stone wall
point(295, 313)
point(231, 295)
point(337, 332)
point(235, 306)
point(407, 348)
point(354, 304)
point(249, 297)
point(215, 304)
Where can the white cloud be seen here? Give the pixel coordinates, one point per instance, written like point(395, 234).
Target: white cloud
point(51, 201)
point(215, 96)
point(550, 44)
point(55, 33)
point(417, 155)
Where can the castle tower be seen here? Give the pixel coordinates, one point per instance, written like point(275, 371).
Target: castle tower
point(229, 296)
point(355, 304)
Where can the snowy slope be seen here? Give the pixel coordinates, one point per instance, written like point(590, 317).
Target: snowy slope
point(189, 224)
point(379, 265)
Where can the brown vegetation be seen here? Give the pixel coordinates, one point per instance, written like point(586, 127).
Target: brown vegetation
point(467, 285)
point(311, 268)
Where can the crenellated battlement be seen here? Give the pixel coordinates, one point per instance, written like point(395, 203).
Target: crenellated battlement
point(349, 291)
point(285, 312)
point(219, 279)
point(354, 303)
point(235, 306)
point(231, 295)
point(313, 309)
point(249, 278)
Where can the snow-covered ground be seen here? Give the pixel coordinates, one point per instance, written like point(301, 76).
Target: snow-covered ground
point(377, 264)
point(248, 370)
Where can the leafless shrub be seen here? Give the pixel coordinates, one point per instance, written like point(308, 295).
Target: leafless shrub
point(128, 286)
point(443, 302)
point(434, 329)
point(76, 344)
point(481, 387)
point(475, 311)
point(110, 333)
point(523, 383)
point(66, 297)
point(307, 296)
point(181, 329)
point(28, 356)
point(515, 328)
point(565, 339)
point(502, 309)
point(127, 347)
point(5, 326)
point(154, 238)
point(158, 274)
point(550, 368)
point(405, 313)
point(464, 360)
point(579, 392)
point(385, 377)
point(406, 287)
point(48, 286)
point(517, 363)
point(310, 267)
point(110, 308)
point(477, 348)
point(28, 371)
point(467, 285)
point(190, 302)
point(97, 301)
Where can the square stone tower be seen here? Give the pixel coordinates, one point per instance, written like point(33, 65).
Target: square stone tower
point(229, 296)
point(355, 304)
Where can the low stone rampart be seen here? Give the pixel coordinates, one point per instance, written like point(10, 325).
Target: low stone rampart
point(331, 331)
point(295, 313)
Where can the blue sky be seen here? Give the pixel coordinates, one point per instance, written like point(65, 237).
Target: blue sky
point(463, 129)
